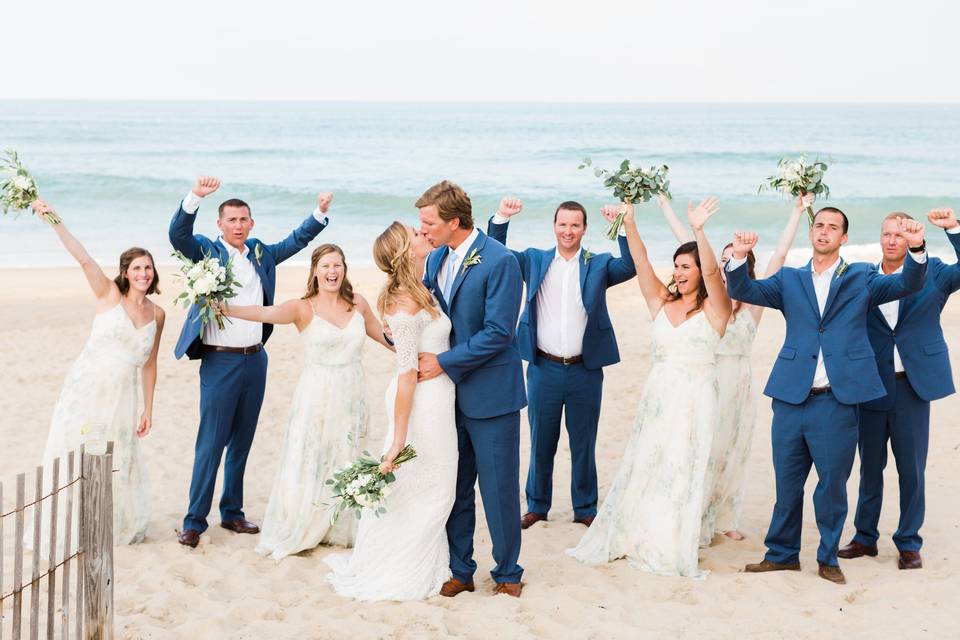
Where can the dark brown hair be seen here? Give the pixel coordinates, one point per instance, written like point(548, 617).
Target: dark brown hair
point(452, 202)
point(751, 264)
point(313, 287)
point(233, 202)
point(128, 257)
point(846, 223)
point(570, 205)
point(688, 249)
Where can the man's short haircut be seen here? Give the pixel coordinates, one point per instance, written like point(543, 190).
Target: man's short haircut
point(570, 205)
point(451, 202)
point(898, 215)
point(233, 202)
point(846, 223)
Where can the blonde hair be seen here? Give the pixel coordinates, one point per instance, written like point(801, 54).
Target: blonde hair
point(313, 287)
point(391, 252)
point(452, 202)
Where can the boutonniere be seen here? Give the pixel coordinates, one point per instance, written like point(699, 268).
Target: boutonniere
point(472, 258)
point(841, 269)
point(586, 256)
point(258, 253)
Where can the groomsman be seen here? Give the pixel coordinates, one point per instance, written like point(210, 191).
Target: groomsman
point(914, 365)
point(566, 335)
point(823, 371)
point(233, 364)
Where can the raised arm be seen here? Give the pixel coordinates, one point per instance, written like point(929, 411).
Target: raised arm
point(893, 287)
point(499, 224)
point(719, 306)
point(102, 286)
point(680, 231)
point(300, 237)
point(181, 227)
point(948, 278)
point(788, 235)
point(622, 268)
point(149, 376)
point(740, 286)
point(653, 290)
point(406, 326)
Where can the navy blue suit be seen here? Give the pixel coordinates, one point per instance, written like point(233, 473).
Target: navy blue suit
point(578, 388)
point(231, 384)
point(902, 415)
point(819, 430)
point(485, 366)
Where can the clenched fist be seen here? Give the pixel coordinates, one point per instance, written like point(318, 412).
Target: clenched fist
point(509, 207)
point(323, 201)
point(912, 232)
point(943, 218)
point(205, 185)
point(743, 243)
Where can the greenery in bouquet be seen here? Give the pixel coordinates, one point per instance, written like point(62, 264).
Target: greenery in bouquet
point(206, 281)
point(632, 184)
point(360, 484)
point(798, 177)
point(19, 189)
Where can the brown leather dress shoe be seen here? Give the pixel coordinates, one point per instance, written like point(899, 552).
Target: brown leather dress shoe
point(910, 560)
point(453, 586)
point(766, 565)
point(585, 520)
point(240, 526)
point(531, 518)
point(509, 588)
point(831, 573)
point(189, 538)
point(857, 550)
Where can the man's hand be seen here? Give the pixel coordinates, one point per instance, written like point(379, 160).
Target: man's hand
point(943, 218)
point(324, 199)
point(429, 367)
point(912, 232)
point(205, 185)
point(743, 243)
point(509, 207)
point(804, 201)
point(698, 216)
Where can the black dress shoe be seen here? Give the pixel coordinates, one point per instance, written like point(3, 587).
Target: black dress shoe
point(240, 526)
point(585, 520)
point(189, 538)
point(857, 550)
point(910, 560)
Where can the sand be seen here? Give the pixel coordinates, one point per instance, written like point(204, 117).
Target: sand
point(223, 589)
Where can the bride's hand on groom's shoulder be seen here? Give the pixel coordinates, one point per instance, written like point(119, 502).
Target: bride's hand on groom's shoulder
point(205, 185)
point(324, 198)
point(429, 367)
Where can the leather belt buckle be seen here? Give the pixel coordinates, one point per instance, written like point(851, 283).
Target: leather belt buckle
point(246, 351)
point(819, 391)
point(558, 359)
point(900, 375)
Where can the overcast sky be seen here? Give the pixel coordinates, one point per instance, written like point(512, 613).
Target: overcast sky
point(499, 50)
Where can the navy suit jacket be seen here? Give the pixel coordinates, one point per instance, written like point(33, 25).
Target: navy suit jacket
point(841, 333)
point(917, 336)
point(197, 246)
point(484, 302)
point(599, 272)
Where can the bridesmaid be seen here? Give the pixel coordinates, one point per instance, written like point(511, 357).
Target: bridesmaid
point(329, 412)
point(734, 435)
point(101, 386)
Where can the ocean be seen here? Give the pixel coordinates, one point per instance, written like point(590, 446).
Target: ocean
point(116, 171)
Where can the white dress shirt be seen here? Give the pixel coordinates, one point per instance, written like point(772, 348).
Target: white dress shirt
point(561, 316)
point(237, 332)
point(457, 256)
point(891, 312)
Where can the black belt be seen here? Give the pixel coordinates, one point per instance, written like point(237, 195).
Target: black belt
point(819, 391)
point(900, 375)
point(241, 350)
point(558, 359)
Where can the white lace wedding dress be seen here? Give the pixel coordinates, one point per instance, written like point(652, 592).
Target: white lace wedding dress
point(653, 510)
point(403, 554)
point(102, 386)
point(327, 419)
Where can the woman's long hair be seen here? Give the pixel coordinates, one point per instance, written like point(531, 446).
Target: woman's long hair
point(391, 252)
point(688, 248)
point(313, 286)
point(751, 264)
point(126, 259)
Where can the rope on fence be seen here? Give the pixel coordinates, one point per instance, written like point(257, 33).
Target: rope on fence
point(76, 555)
point(49, 495)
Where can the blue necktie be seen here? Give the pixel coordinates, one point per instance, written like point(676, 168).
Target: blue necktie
point(448, 283)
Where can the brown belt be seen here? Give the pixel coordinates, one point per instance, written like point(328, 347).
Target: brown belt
point(818, 391)
point(241, 350)
point(900, 375)
point(558, 359)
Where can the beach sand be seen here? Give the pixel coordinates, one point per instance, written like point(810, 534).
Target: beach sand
point(223, 589)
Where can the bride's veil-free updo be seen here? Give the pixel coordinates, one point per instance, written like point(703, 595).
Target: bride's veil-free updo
point(391, 253)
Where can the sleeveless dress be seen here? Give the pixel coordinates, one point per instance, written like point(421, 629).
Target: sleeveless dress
point(653, 510)
point(103, 386)
point(734, 436)
point(327, 420)
point(403, 554)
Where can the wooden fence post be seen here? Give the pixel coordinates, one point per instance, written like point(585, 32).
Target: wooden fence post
point(96, 535)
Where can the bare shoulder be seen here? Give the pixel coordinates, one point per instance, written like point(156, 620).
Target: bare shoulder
point(361, 303)
point(402, 303)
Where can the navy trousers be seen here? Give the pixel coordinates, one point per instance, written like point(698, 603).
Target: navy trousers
point(554, 389)
point(231, 392)
point(907, 427)
point(489, 450)
point(822, 433)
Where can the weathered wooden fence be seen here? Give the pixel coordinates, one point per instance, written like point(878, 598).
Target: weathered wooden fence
point(72, 516)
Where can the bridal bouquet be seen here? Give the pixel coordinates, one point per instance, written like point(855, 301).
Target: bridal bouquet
point(632, 184)
point(206, 281)
point(797, 178)
point(19, 189)
point(360, 484)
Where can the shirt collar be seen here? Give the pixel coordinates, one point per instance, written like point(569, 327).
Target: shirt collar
point(233, 251)
point(829, 271)
point(559, 258)
point(882, 272)
point(461, 251)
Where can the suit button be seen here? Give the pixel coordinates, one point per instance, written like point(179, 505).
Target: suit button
point(821, 329)
point(893, 333)
point(814, 357)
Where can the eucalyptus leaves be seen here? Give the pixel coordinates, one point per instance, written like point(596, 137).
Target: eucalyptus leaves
point(19, 189)
point(631, 184)
point(360, 484)
point(796, 177)
point(204, 281)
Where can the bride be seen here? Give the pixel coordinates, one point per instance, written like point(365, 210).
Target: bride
point(403, 554)
point(653, 511)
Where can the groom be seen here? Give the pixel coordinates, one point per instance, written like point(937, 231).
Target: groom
point(479, 286)
point(233, 364)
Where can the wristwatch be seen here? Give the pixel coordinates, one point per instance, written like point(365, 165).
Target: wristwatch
point(920, 249)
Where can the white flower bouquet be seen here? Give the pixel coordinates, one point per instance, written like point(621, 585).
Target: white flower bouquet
point(795, 177)
point(360, 484)
point(19, 189)
point(206, 281)
point(632, 184)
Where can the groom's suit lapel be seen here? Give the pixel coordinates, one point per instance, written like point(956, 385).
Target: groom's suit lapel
point(836, 281)
point(546, 259)
point(464, 269)
point(584, 267)
point(433, 271)
point(806, 278)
